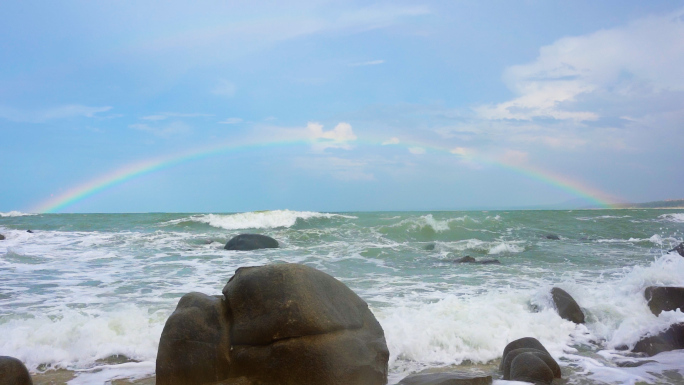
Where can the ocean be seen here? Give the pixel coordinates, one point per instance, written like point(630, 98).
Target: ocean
point(90, 292)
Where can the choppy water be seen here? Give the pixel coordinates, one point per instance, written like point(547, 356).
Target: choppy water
point(85, 287)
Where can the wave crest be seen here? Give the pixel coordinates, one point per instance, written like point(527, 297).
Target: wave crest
point(256, 219)
point(15, 214)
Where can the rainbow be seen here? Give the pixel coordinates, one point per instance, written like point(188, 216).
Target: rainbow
point(136, 170)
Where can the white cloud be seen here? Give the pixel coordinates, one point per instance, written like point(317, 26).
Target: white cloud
point(367, 63)
point(231, 121)
point(54, 113)
point(416, 150)
point(394, 140)
point(224, 88)
point(341, 133)
point(622, 65)
point(165, 131)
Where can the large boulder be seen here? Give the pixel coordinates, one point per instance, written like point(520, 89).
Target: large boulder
point(670, 339)
point(446, 379)
point(292, 324)
point(679, 249)
point(526, 359)
point(245, 242)
point(664, 298)
point(13, 372)
point(567, 307)
point(275, 325)
point(544, 356)
point(195, 344)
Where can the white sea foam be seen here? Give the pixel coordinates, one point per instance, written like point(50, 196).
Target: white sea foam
point(15, 214)
point(506, 247)
point(429, 221)
point(603, 217)
point(257, 219)
point(675, 217)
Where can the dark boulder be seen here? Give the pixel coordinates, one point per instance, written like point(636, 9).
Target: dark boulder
point(195, 344)
point(2, 237)
point(567, 307)
point(245, 242)
point(295, 325)
point(13, 372)
point(446, 379)
point(525, 342)
point(469, 259)
point(663, 298)
point(530, 367)
point(544, 356)
point(679, 249)
point(29, 231)
point(553, 237)
point(670, 339)
point(430, 246)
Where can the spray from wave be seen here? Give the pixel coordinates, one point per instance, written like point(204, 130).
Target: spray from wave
point(257, 219)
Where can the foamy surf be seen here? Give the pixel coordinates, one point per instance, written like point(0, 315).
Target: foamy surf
point(15, 214)
point(257, 219)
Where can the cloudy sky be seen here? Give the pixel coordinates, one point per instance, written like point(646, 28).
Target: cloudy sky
point(340, 106)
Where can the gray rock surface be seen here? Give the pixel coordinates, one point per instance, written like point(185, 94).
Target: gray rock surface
point(446, 379)
point(567, 306)
point(664, 298)
point(670, 339)
point(246, 242)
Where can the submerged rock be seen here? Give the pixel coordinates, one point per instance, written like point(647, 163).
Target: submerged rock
point(282, 324)
point(445, 379)
point(553, 237)
point(194, 347)
point(469, 259)
point(664, 298)
point(29, 231)
point(430, 246)
point(670, 339)
point(245, 242)
point(526, 359)
point(13, 372)
point(679, 249)
point(567, 306)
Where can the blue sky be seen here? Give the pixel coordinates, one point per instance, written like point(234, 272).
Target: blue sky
point(588, 91)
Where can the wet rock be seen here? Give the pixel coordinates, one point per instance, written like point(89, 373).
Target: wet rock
point(469, 259)
point(679, 249)
point(446, 379)
point(670, 339)
point(2, 237)
point(13, 372)
point(543, 355)
point(194, 347)
point(525, 342)
point(295, 325)
point(430, 246)
point(530, 367)
point(633, 364)
point(29, 231)
point(552, 237)
point(245, 242)
point(664, 298)
point(567, 307)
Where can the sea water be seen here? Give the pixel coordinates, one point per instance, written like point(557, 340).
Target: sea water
point(83, 288)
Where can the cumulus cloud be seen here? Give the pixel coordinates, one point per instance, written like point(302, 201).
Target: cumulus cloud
point(575, 78)
point(338, 137)
point(54, 113)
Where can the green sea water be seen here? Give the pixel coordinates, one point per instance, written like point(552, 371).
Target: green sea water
point(83, 287)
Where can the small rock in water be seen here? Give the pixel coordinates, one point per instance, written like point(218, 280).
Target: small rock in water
point(469, 259)
point(445, 379)
point(13, 372)
point(246, 242)
point(29, 231)
point(664, 298)
point(553, 236)
point(679, 249)
point(633, 364)
point(430, 246)
point(567, 306)
point(2, 237)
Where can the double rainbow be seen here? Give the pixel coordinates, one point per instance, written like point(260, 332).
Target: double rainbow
point(139, 169)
